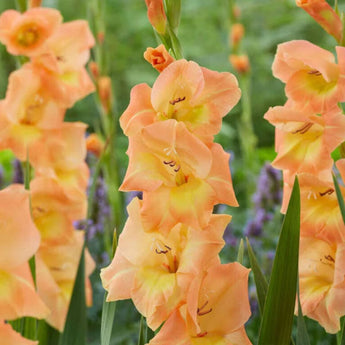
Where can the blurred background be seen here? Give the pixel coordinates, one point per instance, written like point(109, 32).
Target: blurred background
point(204, 35)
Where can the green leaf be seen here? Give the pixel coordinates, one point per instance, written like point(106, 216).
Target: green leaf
point(240, 252)
point(108, 314)
point(47, 335)
point(142, 332)
point(340, 197)
point(302, 332)
point(259, 279)
point(277, 318)
point(75, 327)
point(341, 333)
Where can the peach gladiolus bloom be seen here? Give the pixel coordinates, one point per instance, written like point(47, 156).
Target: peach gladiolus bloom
point(240, 63)
point(60, 154)
point(236, 34)
point(305, 139)
point(19, 240)
point(177, 186)
point(54, 210)
point(187, 93)
point(323, 14)
point(27, 33)
point(10, 337)
point(156, 15)
point(26, 112)
point(158, 57)
point(56, 271)
point(63, 68)
point(216, 310)
point(156, 270)
point(311, 74)
point(322, 281)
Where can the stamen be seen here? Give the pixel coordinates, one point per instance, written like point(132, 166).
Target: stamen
point(200, 311)
point(329, 258)
point(303, 129)
point(315, 72)
point(178, 168)
point(168, 163)
point(177, 100)
point(172, 164)
point(328, 192)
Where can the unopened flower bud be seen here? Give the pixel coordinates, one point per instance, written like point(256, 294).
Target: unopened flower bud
point(240, 63)
point(156, 15)
point(324, 15)
point(237, 33)
point(100, 37)
point(158, 57)
point(94, 144)
point(94, 69)
point(105, 92)
point(35, 3)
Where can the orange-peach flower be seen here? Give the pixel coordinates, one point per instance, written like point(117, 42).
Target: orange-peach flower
point(322, 281)
point(19, 237)
point(60, 154)
point(10, 337)
point(27, 33)
point(63, 68)
point(105, 92)
point(156, 270)
point(181, 177)
point(156, 15)
point(18, 296)
point(158, 57)
point(56, 271)
point(186, 92)
point(54, 210)
point(311, 74)
point(324, 15)
point(305, 139)
point(216, 310)
point(27, 111)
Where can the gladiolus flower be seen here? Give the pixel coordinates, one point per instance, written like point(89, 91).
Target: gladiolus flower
point(54, 210)
point(186, 92)
point(324, 15)
point(56, 268)
point(322, 282)
point(311, 75)
point(216, 310)
point(156, 15)
point(158, 57)
point(10, 337)
point(304, 139)
point(27, 33)
point(179, 187)
point(156, 270)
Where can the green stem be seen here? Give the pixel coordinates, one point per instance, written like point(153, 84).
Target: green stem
point(22, 5)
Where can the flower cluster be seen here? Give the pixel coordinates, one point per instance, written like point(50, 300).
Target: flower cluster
point(167, 257)
point(308, 128)
point(31, 122)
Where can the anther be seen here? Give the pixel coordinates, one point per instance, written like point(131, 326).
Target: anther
point(161, 251)
point(200, 335)
point(177, 100)
point(327, 192)
point(329, 258)
point(314, 72)
point(304, 129)
point(168, 163)
point(177, 169)
point(200, 311)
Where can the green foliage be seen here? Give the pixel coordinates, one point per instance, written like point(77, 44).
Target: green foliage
point(75, 328)
point(108, 315)
point(277, 318)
